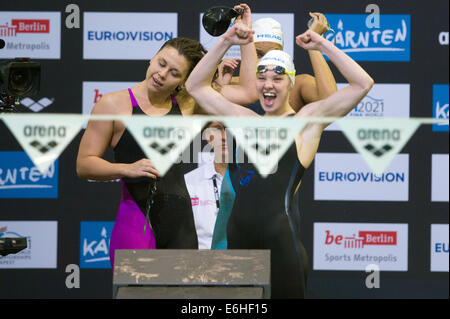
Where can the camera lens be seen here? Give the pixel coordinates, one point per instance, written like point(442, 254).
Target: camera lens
point(20, 81)
point(20, 77)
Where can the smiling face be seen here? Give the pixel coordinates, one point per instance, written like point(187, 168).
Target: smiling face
point(273, 90)
point(167, 70)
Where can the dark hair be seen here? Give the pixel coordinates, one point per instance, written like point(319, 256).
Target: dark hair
point(192, 50)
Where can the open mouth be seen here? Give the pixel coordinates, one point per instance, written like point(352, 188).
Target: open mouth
point(156, 82)
point(269, 98)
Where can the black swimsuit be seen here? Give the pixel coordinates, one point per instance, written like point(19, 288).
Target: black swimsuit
point(260, 220)
point(171, 214)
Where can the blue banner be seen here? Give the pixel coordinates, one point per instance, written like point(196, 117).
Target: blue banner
point(363, 42)
point(94, 244)
point(19, 178)
point(440, 106)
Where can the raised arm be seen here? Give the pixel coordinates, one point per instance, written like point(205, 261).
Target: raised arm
point(336, 105)
point(198, 84)
point(309, 88)
point(343, 101)
point(244, 92)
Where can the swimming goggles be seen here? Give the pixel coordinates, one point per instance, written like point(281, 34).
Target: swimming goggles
point(277, 69)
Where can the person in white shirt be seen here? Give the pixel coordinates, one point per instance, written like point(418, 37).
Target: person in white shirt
point(204, 185)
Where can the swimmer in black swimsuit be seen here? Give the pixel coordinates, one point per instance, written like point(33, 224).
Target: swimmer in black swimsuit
point(159, 94)
point(261, 222)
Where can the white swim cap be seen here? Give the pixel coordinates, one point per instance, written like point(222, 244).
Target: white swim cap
point(280, 58)
point(268, 30)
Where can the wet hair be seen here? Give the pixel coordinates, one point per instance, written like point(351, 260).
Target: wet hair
point(191, 49)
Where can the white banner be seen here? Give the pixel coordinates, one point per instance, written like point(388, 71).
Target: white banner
point(383, 101)
point(265, 140)
point(378, 141)
point(351, 246)
point(439, 177)
point(439, 247)
point(43, 136)
point(346, 176)
point(164, 138)
point(126, 35)
point(42, 242)
point(32, 34)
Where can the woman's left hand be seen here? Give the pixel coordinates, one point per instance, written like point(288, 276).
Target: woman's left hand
point(310, 40)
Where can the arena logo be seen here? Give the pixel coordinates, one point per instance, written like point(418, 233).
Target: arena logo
point(268, 136)
point(94, 244)
point(351, 246)
point(384, 135)
point(37, 106)
point(340, 176)
point(126, 35)
point(164, 133)
point(440, 106)
point(43, 132)
point(19, 178)
point(31, 34)
point(41, 251)
point(264, 140)
point(43, 136)
point(353, 36)
point(163, 139)
point(378, 141)
point(160, 133)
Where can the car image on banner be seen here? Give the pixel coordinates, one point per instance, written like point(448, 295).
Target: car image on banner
point(42, 243)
